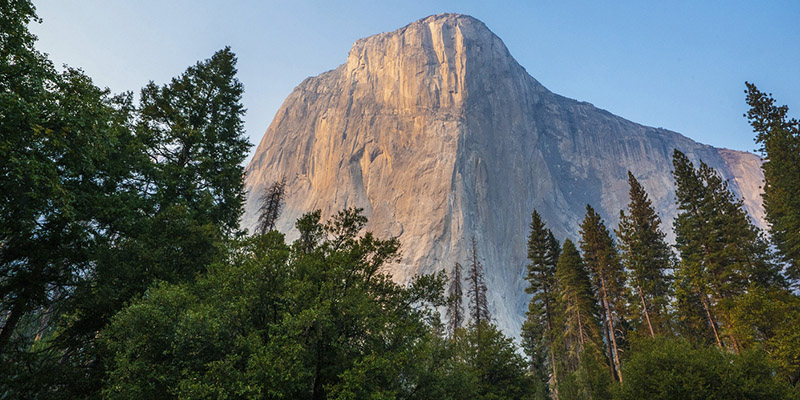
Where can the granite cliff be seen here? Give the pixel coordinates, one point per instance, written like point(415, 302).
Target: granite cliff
point(440, 135)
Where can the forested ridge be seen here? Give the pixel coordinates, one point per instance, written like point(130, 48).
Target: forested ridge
point(124, 272)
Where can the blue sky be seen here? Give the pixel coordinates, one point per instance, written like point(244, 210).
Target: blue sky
point(679, 65)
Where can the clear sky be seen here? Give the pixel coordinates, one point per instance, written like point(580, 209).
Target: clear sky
point(679, 65)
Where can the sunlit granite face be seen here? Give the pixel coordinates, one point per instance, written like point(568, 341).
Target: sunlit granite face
point(440, 136)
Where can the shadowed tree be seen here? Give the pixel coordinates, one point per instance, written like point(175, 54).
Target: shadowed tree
point(582, 352)
point(271, 206)
point(191, 200)
point(601, 258)
point(543, 251)
point(455, 301)
point(479, 308)
point(779, 138)
point(67, 161)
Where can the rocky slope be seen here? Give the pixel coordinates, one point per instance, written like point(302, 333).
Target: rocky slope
point(440, 135)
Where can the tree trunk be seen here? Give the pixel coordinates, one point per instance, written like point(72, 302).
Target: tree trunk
point(317, 387)
point(608, 345)
point(10, 324)
point(551, 342)
point(611, 328)
point(646, 312)
point(580, 328)
point(710, 319)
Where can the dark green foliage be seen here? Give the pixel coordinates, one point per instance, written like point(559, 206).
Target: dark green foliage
point(491, 359)
point(675, 369)
point(193, 130)
point(123, 273)
point(585, 372)
point(188, 201)
point(590, 380)
point(68, 160)
point(95, 209)
point(601, 259)
point(278, 322)
point(537, 331)
point(779, 140)
point(648, 258)
point(536, 344)
point(722, 253)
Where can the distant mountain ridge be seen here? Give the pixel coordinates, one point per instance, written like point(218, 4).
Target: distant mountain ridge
point(440, 135)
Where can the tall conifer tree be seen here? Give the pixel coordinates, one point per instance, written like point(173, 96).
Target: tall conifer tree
point(722, 253)
point(647, 256)
point(479, 307)
point(271, 206)
point(779, 138)
point(582, 352)
point(543, 251)
point(455, 301)
point(601, 258)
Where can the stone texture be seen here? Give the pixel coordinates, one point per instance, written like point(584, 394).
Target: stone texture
point(440, 135)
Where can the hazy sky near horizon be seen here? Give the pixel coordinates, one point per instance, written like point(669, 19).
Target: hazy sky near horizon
point(679, 65)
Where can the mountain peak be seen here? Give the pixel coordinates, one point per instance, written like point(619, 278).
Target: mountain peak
point(432, 62)
point(447, 32)
point(440, 136)
point(432, 22)
point(448, 18)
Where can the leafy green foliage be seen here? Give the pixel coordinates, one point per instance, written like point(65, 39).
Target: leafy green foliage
point(194, 133)
point(276, 321)
point(68, 158)
point(768, 318)
point(493, 362)
point(674, 369)
point(95, 208)
point(123, 273)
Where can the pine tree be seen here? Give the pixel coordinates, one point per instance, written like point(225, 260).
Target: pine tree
point(581, 354)
point(479, 308)
point(722, 253)
point(779, 138)
point(647, 256)
point(455, 306)
point(600, 256)
point(271, 205)
point(543, 251)
point(194, 131)
point(581, 315)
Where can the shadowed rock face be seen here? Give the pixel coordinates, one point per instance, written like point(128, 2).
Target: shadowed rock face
point(441, 136)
